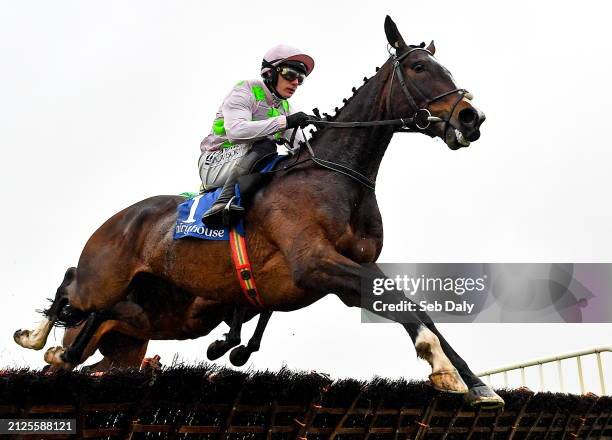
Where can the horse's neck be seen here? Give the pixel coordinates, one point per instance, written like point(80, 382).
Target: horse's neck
point(361, 149)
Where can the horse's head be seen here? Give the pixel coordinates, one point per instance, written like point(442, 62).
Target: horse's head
point(420, 82)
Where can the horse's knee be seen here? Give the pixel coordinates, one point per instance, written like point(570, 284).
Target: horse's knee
point(309, 269)
point(305, 275)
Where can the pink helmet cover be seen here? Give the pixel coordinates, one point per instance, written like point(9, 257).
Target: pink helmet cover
point(282, 52)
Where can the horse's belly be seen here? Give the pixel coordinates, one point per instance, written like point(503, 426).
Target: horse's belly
point(205, 269)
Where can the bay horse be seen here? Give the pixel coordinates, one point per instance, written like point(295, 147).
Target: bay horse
point(312, 230)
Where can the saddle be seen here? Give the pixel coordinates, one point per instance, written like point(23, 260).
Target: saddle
point(261, 173)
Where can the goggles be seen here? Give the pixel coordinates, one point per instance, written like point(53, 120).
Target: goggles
point(291, 74)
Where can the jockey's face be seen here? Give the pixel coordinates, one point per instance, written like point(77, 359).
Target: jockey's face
point(286, 88)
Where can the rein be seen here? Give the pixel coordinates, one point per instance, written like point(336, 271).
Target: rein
point(333, 166)
point(420, 121)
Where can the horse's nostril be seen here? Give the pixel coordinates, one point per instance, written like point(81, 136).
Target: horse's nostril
point(467, 116)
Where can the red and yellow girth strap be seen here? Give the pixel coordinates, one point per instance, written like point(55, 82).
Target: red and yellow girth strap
point(244, 272)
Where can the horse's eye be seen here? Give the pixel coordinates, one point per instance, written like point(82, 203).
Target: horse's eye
point(418, 68)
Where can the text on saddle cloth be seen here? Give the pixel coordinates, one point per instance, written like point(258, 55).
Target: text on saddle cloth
point(189, 218)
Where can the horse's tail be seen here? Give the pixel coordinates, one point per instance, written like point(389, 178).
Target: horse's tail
point(60, 312)
point(67, 316)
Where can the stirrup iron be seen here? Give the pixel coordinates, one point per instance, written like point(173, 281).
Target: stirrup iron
point(227, 211)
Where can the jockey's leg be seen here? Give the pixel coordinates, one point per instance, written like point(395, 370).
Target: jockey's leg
point(224, 213)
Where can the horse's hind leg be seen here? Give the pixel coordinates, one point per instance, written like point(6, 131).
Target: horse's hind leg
point(240, 355)
point(36, 339)
point(232, 338)
point(70, 357)
point(120, 350)
point(128, 319)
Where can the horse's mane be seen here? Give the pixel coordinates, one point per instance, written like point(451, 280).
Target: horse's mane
point(315, 132)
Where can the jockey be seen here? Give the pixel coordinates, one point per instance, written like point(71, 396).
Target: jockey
point(251, 118)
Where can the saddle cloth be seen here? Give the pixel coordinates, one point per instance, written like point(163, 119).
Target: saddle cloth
point(190, 212)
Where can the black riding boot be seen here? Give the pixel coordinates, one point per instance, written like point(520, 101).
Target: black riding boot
point(224, 212)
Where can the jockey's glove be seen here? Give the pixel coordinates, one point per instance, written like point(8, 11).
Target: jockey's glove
point(299, 119)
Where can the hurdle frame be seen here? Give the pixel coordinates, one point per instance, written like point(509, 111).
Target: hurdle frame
point(547, 360)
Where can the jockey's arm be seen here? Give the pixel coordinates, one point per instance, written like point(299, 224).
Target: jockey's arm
point(237, 114)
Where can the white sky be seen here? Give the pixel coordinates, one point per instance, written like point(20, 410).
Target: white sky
point(105, 103)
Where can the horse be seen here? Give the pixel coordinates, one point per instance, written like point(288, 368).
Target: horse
point(313, 229)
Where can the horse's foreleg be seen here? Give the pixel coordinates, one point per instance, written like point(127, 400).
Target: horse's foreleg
point(479, 393)
point(326, 269)
point(432, 346)
point(232, 338)
point(240, 355)
point(37, 338)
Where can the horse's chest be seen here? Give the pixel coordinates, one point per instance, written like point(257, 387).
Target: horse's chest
point(362, 238)
point(359, 247)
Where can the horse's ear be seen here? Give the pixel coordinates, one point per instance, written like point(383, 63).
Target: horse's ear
point(393, 36)
point(432, 47)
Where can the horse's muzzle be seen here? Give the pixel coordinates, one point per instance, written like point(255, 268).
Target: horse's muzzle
point(470, 120)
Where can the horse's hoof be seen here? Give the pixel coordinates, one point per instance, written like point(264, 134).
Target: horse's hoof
point(22, 338)
point(484, 397)
point(53, 356)
point(216, 350)
point(240, 355)
point(448, 381)
point(20, 335)
point(151, 365)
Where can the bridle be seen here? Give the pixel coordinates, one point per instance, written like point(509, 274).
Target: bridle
point(422, 118)
point(418, 122)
